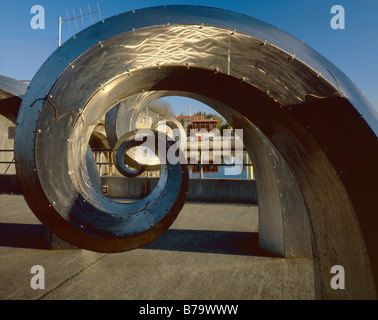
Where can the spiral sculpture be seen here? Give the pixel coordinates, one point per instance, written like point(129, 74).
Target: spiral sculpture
point(311, 134)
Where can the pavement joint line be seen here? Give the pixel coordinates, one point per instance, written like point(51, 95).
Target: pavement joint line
point(71, 277)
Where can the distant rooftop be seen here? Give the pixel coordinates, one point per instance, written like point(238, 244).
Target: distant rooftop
point(193, 117)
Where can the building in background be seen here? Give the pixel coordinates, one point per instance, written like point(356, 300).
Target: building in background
point(198, 126)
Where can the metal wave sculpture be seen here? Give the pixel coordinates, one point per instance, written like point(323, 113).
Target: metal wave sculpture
point(306, 126)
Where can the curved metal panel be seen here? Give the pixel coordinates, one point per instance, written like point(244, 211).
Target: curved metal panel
point(12, 86)
point(122, 118)
point(197, 15)
point(11, 94)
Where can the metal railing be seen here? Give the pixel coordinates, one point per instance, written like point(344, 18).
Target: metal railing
point(202, 166)
point(108, 164)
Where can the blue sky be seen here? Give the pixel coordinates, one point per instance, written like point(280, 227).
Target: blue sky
point(354, 50)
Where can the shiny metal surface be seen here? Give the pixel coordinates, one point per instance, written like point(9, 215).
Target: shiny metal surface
point(169, 186)
point(120, 150)
point(121, 119)
point(175, 130)
point(304, 124)
point(196, 15)
point(11, 94)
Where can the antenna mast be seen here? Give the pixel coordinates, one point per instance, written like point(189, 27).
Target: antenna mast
point(60, 22)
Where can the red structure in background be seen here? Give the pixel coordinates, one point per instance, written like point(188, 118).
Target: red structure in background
point(197, 122)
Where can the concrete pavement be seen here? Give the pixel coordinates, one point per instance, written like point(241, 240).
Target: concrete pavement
point(210, 253)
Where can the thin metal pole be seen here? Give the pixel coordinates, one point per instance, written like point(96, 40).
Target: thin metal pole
point(201, 166)
point(99, 12)
point(74, 17)
point(81, 15)
point(68, 19)
point(90, 13)
point(60, 32)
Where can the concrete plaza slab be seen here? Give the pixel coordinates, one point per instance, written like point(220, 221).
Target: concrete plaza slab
point(210, 253)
